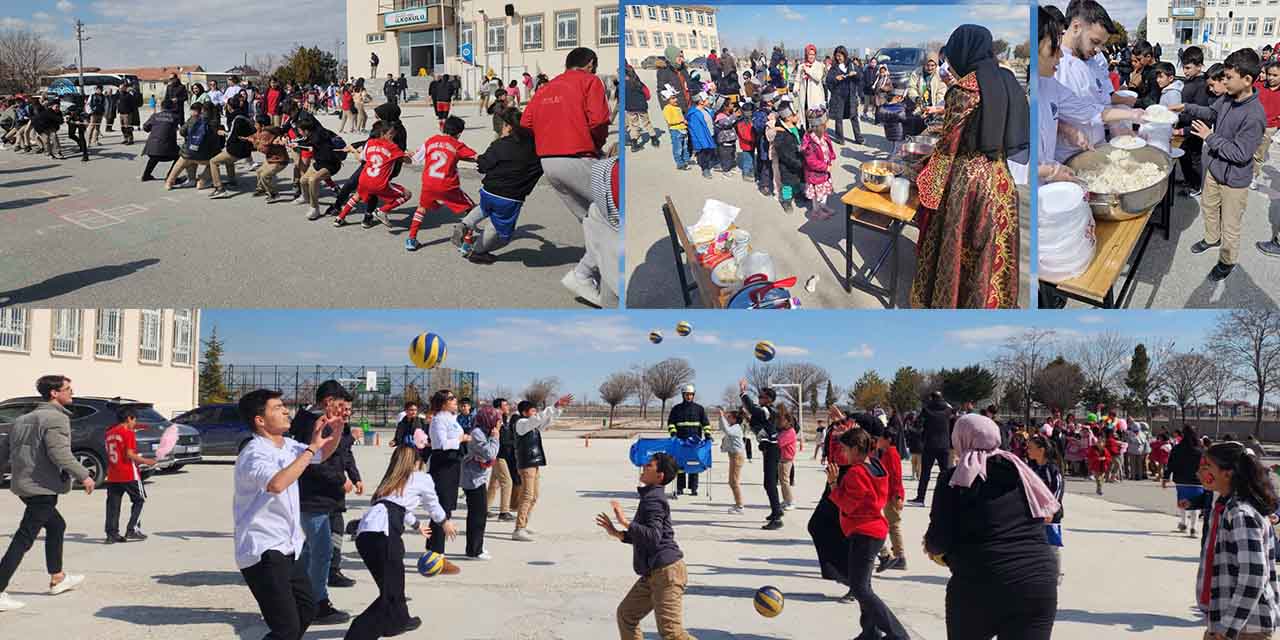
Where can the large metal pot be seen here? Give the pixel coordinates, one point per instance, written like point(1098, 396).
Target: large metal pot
point(1124, 206)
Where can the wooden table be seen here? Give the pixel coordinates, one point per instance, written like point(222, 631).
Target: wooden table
point(686, 255)
point(878, 213)
point(1116, 242)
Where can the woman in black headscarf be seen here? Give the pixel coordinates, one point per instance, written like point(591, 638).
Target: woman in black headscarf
point(969, 237)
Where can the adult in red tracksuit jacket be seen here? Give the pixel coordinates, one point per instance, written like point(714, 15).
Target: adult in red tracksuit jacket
point(569, 116)
point(1270, 99)
point(861, 495)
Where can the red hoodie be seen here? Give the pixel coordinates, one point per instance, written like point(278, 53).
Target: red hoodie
point(891, 460)
point(569, 116)
point(273, 100)
point(861, 496)
point(1270, 99)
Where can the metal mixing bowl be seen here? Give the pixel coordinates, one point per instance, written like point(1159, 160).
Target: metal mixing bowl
point(1123, 206)
point(885, 172)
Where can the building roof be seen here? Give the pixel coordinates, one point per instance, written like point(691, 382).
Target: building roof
point(155, 74)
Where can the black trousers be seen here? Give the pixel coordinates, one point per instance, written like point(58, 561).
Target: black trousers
point(115, 495)
point(446, 471)
point(927, 458)
point(337, 530)
point(152, 161)
point(280, 585)
point(747, 442)
point(852, 115)
point(764, 179)
point(706, 159)
point(976, 612)
point(384, 557)
point(1192, 171)
point(772, 456)
point(829, 540)
point(349, 187)
point(875, 616)
point(76, 133)
point(477, 515)
point(41, 513)
point(728, 157)
point(690, 478)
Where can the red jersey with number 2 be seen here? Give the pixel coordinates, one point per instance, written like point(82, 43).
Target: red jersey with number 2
point(379, 160)
point(440, 155)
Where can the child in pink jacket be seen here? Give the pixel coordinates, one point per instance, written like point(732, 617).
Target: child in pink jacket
point(818, 154)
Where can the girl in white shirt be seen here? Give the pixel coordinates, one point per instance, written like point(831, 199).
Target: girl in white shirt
point(447, 438)
point(403, 489)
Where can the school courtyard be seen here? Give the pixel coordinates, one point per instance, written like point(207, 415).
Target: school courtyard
point(91, 235)
point(1126, 572)
point(799, 246)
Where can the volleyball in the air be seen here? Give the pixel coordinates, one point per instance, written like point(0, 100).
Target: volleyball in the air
point(430, 564)
point(684, 328)
point(427, 351)
point(655, 337)
point(765, 351)
point(769, 601)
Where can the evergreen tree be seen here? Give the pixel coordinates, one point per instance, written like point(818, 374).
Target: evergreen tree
point(213, 387)
point(1138, 380)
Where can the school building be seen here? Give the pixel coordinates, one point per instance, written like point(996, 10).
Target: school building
point(1217, 26)
point(653, 28)
point(147, 355)
point(467, 37)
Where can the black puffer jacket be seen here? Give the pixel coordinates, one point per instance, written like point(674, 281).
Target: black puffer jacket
point(46, 121)
point(162, 135)
point(1184, 463)
point(786, 148)
point(636, 102)
point(320, 486)
point(208, 147)
point(510, 166)
point(936, 418)
point(678, 79)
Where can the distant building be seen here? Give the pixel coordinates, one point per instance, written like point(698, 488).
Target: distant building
point(1217, 26)
point(146, 354)
point(653, 28)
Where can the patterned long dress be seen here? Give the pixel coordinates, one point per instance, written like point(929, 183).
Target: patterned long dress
point(968, 253)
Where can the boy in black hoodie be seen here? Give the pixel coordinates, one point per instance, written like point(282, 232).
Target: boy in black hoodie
point(655, 556)
point(511, 169)
point(1195, 90)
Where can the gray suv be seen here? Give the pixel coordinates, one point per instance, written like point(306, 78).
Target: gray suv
point(91, 417)
point(902, 62)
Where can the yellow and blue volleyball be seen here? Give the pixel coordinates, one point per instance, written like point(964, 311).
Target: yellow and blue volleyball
point(430, 563)
point(765, 351)
point(684, 328)
point(769, 601)
point(655, 337)
point(427, 351)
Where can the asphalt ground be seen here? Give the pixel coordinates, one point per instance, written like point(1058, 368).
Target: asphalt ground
point(91, 235)
point(1126, 573)
point(799, 246)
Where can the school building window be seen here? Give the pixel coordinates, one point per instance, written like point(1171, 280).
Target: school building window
point(700, 19)
point(711, 20)
point(1252, 29)
point(653, 13)
point(13, 330)
point(679, 14)
point(1222, 26)
point(671, 39)
point(1269, 27)
point(375, 38)
point(566, 29)
point(713, 42)
point(1237, 27)
point(642, 37)
point(532, 30)
point(705, 43)
point(657, 38)
point(682, 40)
point(666, 14)
point(106, 334)
point(496, 39)
point(182, 338)
point(636, 12)
point(607, 19)
point(631, 39)
point(150, 335)
point(65, 340)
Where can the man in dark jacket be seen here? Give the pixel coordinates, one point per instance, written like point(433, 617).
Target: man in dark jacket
point(162, 139)
point(97, 109)
point(177, 93)
point(46, 123)
point(672, 71)
point(391, 89)
point(937, 417)
point(321, 492)
point(688, 422)
point(764, 424)
point(128, 101)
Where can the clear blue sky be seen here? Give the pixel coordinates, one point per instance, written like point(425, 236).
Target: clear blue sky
point(864, 26)
point(213, 33)
point(510, 348)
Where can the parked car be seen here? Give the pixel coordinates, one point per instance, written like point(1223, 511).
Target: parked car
point(902, 62)
point(699, 62)
point(222, 432)
point(91, 417)
point(649, 63)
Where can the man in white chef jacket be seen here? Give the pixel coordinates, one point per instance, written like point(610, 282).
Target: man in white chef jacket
point(1088, 29)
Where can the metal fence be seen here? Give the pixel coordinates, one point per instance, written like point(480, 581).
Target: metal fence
point(379, 406)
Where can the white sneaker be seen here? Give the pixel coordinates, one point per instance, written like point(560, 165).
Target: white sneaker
point(787, 506)
point(484, 555)
point(735, 509)
point(9, 604)
point(68, 583)
point(586, 288)
point(521, 535)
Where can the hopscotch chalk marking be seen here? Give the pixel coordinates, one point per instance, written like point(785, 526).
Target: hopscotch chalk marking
point(91, 219)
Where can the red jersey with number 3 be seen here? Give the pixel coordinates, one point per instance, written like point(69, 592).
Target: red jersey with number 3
point(379, 160)
point(121, 440)
point(439, 157)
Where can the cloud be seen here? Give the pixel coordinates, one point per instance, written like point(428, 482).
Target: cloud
point(904, 26)
point(865, 20)
point(1092, 318)
point(9, 22)
point(66, 6)
point(844, 21)
point(978, 336)
point(522, 335)
point(907, 8)
point(788, 13)
point(41, 15)
point(986, 13)
point(863, 350)
point(779, 349)
point(707, 338)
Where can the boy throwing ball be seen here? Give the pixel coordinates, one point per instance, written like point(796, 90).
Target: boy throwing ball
point(655, 556)
point(440, 156)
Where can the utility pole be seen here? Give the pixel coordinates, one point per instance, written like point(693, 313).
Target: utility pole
point(80, 38)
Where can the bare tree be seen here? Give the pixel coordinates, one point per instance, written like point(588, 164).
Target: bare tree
point(25, 56)
point(665, 379)
point(730, 398)
point(1103, 358)
point(1186, 375)
point(761, 375)
point(614, 391)
point(1021, 359)
point(266, 64)
point(503, 391)
point(540, 390)
point(811, 378)
point(640, 389)
point(1249, 339)
point(1221, 379)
